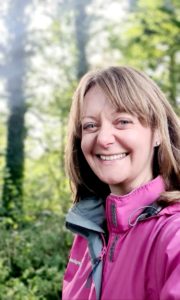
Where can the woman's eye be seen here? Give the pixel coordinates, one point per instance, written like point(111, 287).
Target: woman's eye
point(89, 126)
point(124, 122)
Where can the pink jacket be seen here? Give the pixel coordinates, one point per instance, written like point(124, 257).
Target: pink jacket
point(141, 260)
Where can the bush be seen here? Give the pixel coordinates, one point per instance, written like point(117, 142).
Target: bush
point(33, 258)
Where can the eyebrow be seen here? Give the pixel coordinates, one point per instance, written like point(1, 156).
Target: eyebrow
point(93, 117)
point(114, 112)
point(90, 117)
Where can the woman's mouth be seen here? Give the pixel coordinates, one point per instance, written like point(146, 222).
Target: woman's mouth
point(112, 157)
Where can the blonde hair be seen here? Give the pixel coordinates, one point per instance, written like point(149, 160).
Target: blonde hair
point(134, 92)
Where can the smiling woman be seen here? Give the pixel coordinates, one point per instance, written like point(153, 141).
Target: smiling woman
point(123, 160)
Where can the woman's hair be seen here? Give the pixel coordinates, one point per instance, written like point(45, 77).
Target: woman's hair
point(133, 92)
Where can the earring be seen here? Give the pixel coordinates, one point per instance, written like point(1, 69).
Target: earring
point(157, 143)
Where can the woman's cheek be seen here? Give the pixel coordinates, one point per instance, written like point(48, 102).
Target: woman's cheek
point(84, 144)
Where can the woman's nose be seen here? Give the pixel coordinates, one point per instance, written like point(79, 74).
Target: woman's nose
point(105, 136)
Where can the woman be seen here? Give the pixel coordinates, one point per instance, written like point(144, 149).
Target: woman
point(123, 160)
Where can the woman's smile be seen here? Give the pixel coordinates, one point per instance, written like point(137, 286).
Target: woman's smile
point(111, 157)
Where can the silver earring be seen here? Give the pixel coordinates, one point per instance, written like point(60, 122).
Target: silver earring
point(157, 143)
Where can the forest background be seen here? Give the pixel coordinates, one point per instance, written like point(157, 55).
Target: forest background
point(45, 48)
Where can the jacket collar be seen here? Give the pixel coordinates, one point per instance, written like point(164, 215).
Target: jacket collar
point(87, 214)
point(122, 211)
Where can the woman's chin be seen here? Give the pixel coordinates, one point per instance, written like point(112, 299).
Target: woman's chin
point(111, 181)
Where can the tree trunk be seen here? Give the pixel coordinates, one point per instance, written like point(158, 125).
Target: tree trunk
point(81, 35)
point(16, 23)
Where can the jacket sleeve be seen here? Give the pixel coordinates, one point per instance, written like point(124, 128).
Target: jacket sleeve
point(168, 264)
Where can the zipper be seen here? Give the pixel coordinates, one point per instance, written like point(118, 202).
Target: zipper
point(96, 262)
point(113, 214)
point(113, 247)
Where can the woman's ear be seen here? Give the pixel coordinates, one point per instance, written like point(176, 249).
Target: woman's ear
point(157, 143)
point(157, 138)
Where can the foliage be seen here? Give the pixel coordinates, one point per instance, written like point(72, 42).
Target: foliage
point(150, 41)
point(33, 258)
point(46, 186)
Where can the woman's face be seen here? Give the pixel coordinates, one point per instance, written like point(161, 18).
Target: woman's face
point(117, 147)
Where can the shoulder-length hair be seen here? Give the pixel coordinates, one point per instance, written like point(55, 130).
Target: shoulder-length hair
point(134, 92)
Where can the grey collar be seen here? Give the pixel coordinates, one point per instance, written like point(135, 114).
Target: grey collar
point(89, 214)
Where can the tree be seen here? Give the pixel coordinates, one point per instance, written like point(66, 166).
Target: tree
point(16, 23)
point(150, 41)
point(81, 35)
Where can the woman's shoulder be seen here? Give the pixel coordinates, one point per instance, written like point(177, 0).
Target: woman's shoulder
point(170, 229)
point(167, 227)
point(166, 254)
point(173, 209)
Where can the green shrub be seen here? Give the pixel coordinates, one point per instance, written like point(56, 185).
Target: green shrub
point(33, 258)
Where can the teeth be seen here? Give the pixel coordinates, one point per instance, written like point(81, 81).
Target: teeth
point(112, 157)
